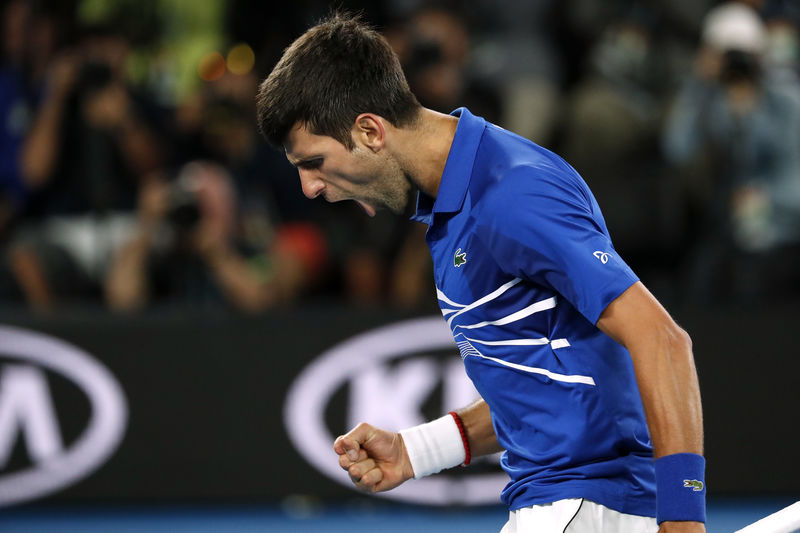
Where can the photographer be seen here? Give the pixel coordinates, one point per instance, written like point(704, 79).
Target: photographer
point(186, 250)
point(734, 132)
point(82, 161)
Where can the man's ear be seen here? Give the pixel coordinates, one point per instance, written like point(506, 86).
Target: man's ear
point(369, 130)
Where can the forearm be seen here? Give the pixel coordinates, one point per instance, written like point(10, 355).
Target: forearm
point(126, 284)
point(240, 285)
point(670, 393)
point(449, 441)
point(664, 366)
point(41, 145)
point(671, 397)
point(478, 427)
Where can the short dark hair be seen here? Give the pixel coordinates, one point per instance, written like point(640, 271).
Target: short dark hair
point(332, 73)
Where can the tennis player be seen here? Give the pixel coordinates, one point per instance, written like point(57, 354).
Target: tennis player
point(587, 383)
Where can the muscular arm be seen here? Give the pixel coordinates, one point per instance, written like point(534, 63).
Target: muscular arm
point(666, 375)
point(664, 366)
point(377, 460)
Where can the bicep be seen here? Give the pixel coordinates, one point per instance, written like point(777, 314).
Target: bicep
point(640, 323)
point(631, 317)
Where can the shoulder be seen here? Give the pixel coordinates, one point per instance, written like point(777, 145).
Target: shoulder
point(533, 190)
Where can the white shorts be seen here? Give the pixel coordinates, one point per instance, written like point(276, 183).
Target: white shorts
point(576, 515)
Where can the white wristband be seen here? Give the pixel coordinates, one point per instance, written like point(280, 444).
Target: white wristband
point(434, 446)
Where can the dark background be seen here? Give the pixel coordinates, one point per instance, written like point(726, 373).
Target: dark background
point(205, 396)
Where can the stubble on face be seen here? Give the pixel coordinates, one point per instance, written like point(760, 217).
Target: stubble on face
point(375, 180)
point(389, 188)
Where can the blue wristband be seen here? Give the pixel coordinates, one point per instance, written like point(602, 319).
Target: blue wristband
point(681, 488)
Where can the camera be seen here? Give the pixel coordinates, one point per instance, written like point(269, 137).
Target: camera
point(93, 75)
point(424, 52)
point(738, 66)
point(184, 210)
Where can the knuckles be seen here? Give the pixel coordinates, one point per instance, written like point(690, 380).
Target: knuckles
point(361, 427)
point(347, 464)
point(344, 461)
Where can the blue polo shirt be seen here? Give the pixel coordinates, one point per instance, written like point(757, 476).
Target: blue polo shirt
point(524, 267)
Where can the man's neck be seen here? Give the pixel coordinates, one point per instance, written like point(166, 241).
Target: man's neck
point(422, 149)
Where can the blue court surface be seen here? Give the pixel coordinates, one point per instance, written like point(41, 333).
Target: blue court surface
point(724, 516)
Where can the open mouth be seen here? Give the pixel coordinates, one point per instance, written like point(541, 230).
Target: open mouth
point(369, 210)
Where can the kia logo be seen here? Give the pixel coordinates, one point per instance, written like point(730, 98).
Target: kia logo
point(390, 374)
point(27, 413)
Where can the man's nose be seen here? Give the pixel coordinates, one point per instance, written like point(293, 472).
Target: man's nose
point(311, 184)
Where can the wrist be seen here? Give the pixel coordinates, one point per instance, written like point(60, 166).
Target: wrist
point(435, 446)
point(680, 488)
point(682, 527)
point(408, 469)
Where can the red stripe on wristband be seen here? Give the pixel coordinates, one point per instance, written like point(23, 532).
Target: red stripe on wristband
point(460, 425)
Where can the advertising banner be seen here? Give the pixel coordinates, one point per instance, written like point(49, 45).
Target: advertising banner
point(230, 409)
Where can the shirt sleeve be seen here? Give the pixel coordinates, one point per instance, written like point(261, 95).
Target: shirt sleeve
point(543, 225)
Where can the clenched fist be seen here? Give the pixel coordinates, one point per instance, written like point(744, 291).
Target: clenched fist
point(376, 459)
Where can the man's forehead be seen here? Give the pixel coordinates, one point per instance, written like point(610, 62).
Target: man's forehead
point(301, 144)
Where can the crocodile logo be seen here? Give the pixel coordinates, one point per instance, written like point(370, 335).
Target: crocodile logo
point(459, 258)
point(693, 484)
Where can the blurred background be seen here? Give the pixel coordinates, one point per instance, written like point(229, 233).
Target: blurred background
point(201, 303)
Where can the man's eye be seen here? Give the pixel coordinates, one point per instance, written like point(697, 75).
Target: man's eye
point(314, 163)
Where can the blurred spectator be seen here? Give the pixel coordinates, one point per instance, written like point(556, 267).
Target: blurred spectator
point(222, 232)
point(611, 129)
point(187, 250)
point(15, 111)
point(89, 148)
point(14, 107)
point(29, 39)
point(80, 145)
point(515, 51)
point(385, 262)
point(217, 123)
point(433, 48)
point(734, 132)
point(783, 38)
